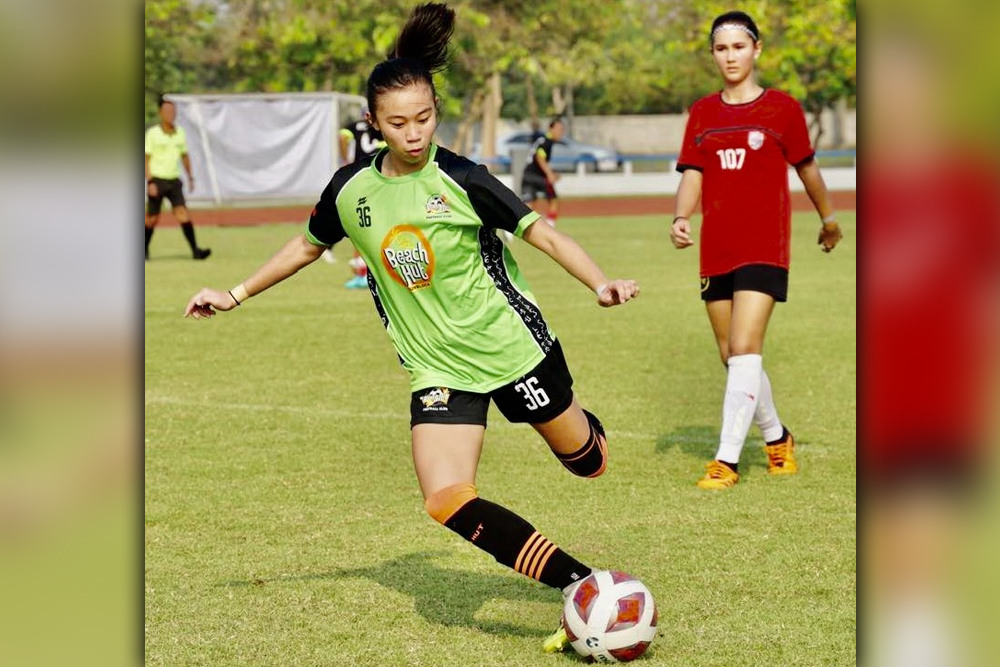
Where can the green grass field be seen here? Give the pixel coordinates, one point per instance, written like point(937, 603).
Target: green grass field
point(284, 525)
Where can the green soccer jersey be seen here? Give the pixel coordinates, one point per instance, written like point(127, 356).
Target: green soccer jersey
point(452, 300)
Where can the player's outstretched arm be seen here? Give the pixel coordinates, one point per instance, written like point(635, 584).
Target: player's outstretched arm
point(569, 255)
point(297, 253)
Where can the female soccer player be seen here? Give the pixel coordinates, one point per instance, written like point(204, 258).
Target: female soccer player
point(736, 148)
point(540, 178)
point(459, 313)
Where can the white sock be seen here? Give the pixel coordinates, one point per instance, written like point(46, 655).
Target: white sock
point(739, 404)
point(766, 415)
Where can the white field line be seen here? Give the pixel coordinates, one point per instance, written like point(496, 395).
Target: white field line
point(497, 424)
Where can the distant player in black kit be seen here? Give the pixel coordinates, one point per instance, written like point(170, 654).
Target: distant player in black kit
point(539, 177)
point(366, 142)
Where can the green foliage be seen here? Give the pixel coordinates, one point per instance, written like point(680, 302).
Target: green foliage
point(284, 526)
point(623, 56)
point(175, 31)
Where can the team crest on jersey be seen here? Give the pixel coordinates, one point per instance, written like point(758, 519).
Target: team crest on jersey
point(436, 397)
point(408, 257)
point(755, 139)
point(704, 284)
point(437, 207)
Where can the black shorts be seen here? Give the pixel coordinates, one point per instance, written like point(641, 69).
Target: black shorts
point(534, 186)
point(166, 188)
point(541, 394)
point(772, 280)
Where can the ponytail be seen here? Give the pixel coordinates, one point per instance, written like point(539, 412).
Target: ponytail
point(419, 52)
point(426, 35)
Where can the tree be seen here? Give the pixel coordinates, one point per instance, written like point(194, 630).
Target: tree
point(815, 55)
point(586, 56)
point(174, 29)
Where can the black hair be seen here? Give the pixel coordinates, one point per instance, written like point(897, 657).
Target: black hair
point(420, 50)
point(557, 119)
point(161, 100)
point(739, 18)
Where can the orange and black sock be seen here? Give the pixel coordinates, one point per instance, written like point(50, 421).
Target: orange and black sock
point(591, 459)
point(511, 540)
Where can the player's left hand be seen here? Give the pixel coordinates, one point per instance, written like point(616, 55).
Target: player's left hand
point(618, 292)
point(829, 236)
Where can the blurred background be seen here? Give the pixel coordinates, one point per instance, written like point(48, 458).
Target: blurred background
point(930, 236)
point(70, 346)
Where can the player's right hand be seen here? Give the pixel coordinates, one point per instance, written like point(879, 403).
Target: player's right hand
point(617, 292)
point(680, 233)
point(206, 302)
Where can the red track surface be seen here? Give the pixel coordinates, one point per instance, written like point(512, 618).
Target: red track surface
point(582, 207)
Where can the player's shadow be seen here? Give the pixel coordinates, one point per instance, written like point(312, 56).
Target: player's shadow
point(442, 595)
point(701, 442)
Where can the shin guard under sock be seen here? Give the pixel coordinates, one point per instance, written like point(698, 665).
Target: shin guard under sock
point(592, 459)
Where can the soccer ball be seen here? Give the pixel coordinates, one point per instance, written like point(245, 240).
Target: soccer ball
point(610, 617)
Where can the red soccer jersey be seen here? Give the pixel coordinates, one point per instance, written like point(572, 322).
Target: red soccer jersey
point(743, 152)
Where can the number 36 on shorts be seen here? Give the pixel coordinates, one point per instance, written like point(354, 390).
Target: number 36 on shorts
point(534, 396)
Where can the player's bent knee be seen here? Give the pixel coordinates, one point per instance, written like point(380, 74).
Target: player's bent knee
point(443, 504)
point(591, 460)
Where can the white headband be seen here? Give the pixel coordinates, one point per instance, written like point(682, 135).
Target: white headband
point(733, 26)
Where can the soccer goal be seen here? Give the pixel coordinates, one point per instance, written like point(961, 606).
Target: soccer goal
point(263, 146)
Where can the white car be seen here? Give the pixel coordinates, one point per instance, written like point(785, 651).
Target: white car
point(567, 154)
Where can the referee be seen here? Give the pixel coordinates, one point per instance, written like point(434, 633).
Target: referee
point(166, 148)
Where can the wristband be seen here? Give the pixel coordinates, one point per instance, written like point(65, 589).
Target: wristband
point(600, 289)
point(830, 219)
point(239, 294)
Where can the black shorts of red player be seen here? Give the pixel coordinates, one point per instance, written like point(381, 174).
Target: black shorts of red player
point(166, 188)
point(772, 280)
point(534, 186)
point(541, 394)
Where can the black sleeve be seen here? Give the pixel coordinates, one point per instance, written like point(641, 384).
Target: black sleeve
point(324, 222)
point(495, 204)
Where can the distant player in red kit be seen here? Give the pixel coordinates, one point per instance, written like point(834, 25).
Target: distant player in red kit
point(737, 147)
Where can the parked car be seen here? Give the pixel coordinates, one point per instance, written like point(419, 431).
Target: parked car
point(567, 153)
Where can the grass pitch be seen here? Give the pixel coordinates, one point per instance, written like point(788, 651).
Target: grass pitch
point(284, 524)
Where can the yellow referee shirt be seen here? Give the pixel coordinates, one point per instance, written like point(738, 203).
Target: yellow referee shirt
point(165, 151)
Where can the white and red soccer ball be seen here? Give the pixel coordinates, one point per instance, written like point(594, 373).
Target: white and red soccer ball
point(610, 617)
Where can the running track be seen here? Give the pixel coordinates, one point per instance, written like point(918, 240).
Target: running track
point(576, 207)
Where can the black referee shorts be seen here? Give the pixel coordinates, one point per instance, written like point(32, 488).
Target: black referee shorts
point(166, 188)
